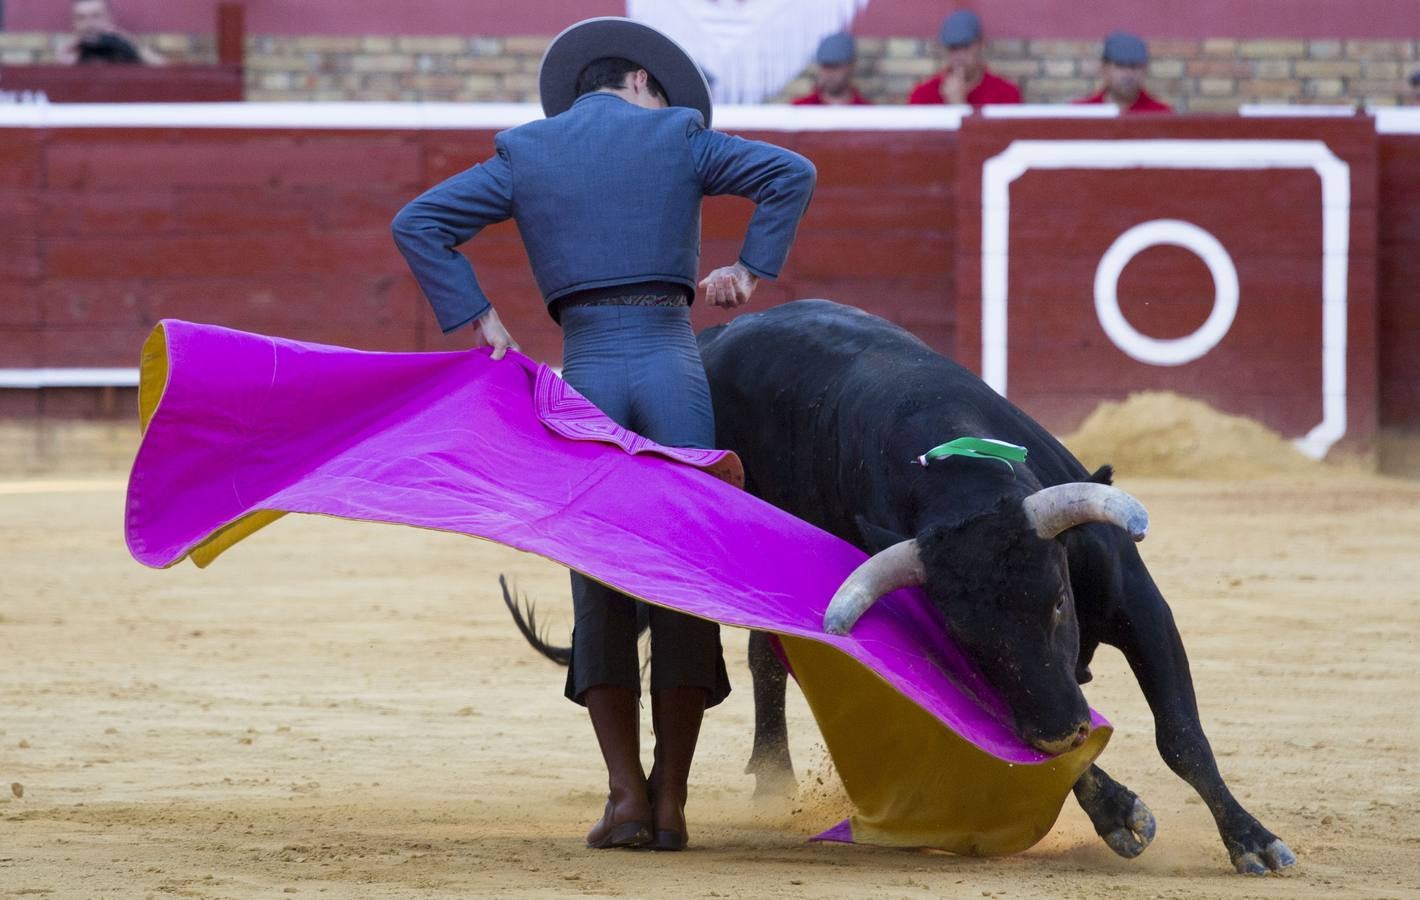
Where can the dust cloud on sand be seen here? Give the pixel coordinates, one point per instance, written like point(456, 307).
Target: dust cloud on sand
point(341, 709)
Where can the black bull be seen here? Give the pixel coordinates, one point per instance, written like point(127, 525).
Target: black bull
point(828, 406)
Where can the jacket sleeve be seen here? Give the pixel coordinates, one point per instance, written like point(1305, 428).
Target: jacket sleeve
point(431, 225)
point(779, 181)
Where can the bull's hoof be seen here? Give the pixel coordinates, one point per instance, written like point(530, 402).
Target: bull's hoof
point(1119, 816)
point(1136, 834)
point(774, 787)
point(1274, 857)
point(773, 773)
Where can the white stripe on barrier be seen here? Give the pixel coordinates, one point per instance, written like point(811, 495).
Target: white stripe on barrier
point(1293, 111)
point(75, 486)
point(485, 116)
point(33, 379)
point(433, 116)
point(1396, 120)
point(1051, 111)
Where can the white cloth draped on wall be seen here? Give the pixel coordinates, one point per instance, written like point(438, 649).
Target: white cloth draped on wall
point(749, 49)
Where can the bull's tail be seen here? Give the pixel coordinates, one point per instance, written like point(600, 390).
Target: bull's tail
point(526, 620)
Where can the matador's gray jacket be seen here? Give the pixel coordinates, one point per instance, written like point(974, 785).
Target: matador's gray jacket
point(606, 193)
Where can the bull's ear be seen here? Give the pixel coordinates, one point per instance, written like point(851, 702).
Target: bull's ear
point(1103, 475)
point(875, 538)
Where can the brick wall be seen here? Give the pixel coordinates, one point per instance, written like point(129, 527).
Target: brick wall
point(1212, 75)
point(287, 232)
point(30, 48)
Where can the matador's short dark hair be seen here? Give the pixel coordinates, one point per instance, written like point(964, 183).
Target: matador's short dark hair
point(611, 72)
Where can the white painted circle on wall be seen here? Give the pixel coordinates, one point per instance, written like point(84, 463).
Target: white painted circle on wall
point(1173, 351)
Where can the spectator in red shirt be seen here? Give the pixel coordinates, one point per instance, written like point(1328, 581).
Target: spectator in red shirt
point(1125, 59)
point(837, 59)
point(965, 78)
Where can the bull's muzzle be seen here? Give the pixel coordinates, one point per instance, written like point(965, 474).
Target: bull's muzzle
point(1061, 744)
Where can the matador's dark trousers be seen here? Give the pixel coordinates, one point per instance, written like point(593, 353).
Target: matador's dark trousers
point(641, 366)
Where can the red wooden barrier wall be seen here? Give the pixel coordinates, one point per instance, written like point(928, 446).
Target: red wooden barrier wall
point(1398, 281)
point(104, 231)
point(128, 84)
point(108, 230)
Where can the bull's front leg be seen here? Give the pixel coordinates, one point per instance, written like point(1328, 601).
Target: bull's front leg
point(1150, 642)
point(769, 761)
point(1118, 815)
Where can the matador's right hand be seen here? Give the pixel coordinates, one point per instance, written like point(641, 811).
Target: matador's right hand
point(491, 333)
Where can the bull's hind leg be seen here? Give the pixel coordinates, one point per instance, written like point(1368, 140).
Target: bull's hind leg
point(1151, 644)
point(1119, 816)
point(769, 761)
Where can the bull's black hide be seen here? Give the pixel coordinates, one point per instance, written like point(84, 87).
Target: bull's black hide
point(826, 406)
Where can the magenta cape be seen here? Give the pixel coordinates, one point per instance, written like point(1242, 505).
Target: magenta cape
point(241, 428)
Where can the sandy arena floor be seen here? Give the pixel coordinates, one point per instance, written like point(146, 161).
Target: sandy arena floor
point(345, 709)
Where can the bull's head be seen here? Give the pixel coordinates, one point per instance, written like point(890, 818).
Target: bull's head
point(1002, 582)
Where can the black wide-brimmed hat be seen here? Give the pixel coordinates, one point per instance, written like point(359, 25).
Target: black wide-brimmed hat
point(591, 39)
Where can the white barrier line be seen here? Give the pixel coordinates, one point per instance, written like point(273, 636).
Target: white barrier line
point(1051, 111)
point(485, 116)
point(63, 487)
point(434, 116)
point(33, 379)
point(1396, 120)
point(1294, 111)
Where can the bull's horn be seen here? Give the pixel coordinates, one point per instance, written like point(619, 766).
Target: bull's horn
point(1054, 509)
point(884, 572)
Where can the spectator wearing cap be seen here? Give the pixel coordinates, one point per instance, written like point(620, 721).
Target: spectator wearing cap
point(837, 60)
point(1123, 65)
point(1415, 87)
point(965, 79)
